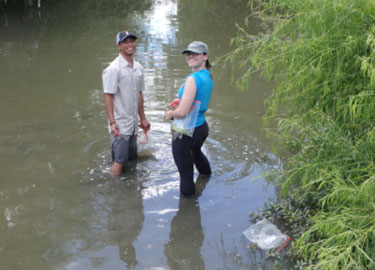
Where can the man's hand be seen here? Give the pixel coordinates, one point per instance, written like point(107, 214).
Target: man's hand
point(115, 130)
point(145, 125)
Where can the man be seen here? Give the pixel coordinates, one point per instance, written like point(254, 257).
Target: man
point(123, 84)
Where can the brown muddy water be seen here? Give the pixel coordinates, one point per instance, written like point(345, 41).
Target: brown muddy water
point(60, 209)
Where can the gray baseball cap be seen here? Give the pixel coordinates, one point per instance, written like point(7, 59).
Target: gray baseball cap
point(196, 47)
point(121, 36)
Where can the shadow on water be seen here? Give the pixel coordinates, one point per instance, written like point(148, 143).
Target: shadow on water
point(186, 235)
point(60, 209)
point(126, 219)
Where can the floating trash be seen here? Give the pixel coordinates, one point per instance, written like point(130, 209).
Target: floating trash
point(266, 235)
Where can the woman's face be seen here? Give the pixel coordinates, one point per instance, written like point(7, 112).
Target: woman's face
point(196, 60)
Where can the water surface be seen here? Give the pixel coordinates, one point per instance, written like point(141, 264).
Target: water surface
point(60, 209)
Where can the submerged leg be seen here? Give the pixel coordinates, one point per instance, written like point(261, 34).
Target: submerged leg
point(116, 169)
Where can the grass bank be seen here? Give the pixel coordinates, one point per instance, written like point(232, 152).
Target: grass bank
point(321, 56)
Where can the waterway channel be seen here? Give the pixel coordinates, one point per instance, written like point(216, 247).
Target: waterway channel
point(60, 209)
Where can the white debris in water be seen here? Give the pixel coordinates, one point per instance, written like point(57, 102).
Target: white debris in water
point(51, 168)
point(159, 190)
point(8, 216)
point(163, 211)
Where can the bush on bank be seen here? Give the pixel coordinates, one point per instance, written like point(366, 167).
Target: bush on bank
point(321, 56)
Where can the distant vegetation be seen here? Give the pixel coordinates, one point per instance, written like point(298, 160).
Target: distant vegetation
point(29, 3)
point(73, 14)
point(112, 6)
point(321, 56)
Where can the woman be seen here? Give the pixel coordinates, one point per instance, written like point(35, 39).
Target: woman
point(197, 86)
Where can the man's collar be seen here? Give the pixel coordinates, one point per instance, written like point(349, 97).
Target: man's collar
point(126, 63)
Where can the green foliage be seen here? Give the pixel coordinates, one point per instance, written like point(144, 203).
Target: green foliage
point(321, 56)
point(340, 172)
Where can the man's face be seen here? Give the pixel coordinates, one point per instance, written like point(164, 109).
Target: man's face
point(128, 46)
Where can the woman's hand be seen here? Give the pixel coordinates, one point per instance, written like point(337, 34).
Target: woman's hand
point(174, 104)
point(169, 115)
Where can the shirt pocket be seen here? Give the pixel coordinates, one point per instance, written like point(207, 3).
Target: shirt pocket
point(138, 80)
point(124, 77)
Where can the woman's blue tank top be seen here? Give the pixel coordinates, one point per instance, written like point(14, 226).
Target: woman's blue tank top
point(204, 86)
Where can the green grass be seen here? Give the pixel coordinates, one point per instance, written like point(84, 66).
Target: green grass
point(321, 56)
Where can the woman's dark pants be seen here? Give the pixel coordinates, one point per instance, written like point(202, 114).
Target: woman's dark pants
point(187, 153)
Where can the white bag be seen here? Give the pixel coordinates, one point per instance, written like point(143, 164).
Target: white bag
point(144, 146)
point(186, 125)
point(265, 235)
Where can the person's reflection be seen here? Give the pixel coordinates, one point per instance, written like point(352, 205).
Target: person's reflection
point(186, 236)
point(126, 219)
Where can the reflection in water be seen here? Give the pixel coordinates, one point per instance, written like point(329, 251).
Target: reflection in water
point(126, 219)
point(186, 236)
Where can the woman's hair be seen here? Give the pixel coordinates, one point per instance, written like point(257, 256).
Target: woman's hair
point(208, 65)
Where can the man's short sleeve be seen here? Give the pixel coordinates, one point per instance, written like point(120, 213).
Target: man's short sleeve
point(141, 79)
point(142, 87)
point(110, 78)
